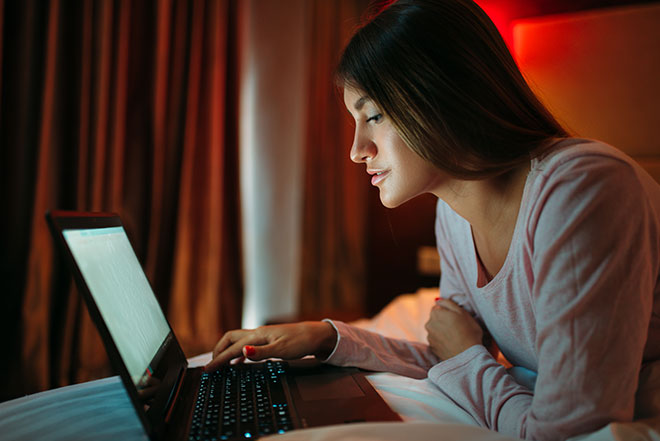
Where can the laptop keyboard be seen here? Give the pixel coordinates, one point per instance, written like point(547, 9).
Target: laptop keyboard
point(241, 401)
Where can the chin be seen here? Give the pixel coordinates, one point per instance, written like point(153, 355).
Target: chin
point(388, 205)
point(389, 202)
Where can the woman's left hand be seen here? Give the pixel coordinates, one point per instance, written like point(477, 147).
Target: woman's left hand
point(451, 329)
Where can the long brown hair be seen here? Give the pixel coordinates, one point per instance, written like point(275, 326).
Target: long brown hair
point(440, 70)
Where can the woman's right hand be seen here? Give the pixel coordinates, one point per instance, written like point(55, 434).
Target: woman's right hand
point(289, 342)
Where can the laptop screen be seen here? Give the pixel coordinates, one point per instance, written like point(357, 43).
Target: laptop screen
point(122, 293)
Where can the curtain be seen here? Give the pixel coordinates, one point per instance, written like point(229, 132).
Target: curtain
point(336, 191)
point(116, 106)
point(135, 107)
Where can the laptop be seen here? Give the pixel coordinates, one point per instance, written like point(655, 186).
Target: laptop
point(172, 400)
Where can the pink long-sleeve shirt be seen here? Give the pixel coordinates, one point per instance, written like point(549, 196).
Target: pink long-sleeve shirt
point(577, 301)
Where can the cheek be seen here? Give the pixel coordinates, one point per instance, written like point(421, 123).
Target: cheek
point(392, 138)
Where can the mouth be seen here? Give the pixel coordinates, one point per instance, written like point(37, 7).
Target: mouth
point(378, 176)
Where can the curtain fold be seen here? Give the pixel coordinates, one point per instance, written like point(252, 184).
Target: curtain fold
point(206, 220)
point(133, 107)
point(335, 201)
point(116, 106)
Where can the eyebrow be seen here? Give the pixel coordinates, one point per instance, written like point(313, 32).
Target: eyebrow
point(360, 102)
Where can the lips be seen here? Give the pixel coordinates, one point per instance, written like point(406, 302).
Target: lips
point(378, 176)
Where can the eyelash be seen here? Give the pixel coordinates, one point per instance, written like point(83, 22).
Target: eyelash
point(376, 118)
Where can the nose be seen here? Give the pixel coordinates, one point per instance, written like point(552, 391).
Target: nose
point(363, 148)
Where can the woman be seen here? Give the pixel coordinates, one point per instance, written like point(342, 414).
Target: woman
point(548, 243)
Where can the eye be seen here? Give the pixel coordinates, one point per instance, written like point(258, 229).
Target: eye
point(376, 118)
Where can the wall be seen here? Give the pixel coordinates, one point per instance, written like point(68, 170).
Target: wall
point(599, 71)
point(272, 98)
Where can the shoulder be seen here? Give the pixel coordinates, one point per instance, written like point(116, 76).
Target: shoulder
point(579, 172)
point(581, 155)
point(586, 160)
point(583, 191)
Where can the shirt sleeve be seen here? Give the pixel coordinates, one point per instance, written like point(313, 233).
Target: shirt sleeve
point(593, 237)
point(369, 350)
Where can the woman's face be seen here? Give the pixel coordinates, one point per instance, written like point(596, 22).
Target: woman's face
point(399, 173)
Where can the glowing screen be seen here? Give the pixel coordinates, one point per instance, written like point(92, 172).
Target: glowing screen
point(122, 294)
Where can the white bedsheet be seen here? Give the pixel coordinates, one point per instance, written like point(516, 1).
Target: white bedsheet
point(431, 415)
point(101, 410)
point(96, 410)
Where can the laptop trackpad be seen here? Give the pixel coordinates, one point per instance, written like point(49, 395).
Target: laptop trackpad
point(328, 387)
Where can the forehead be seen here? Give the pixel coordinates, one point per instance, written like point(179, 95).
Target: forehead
point(355, 99)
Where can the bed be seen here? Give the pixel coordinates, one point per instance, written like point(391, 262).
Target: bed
point(428, 414)
point(101, 409)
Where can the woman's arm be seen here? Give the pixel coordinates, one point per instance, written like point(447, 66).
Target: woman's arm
point(288, 341)
point(595, 268)
point(369, 350)
point(333, 342)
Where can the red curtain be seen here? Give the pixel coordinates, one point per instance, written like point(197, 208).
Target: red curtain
point(116, 106)
point(336, 192)
point(132, 107)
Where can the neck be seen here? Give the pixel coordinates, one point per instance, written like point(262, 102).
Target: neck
point(488, 204)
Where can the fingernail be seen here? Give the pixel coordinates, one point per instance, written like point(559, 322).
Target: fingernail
point(249, 351)
point(437, 298)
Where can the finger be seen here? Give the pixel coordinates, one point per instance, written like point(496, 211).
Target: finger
point(262, 352)
point(227, 339)
point(238, 360)
point(439, 311)
point(224, 357)
point(249, 352)
point(229, 347)
point(428, 325)
point(233, 346)
point(449, 305)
